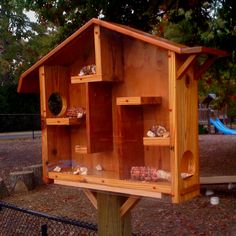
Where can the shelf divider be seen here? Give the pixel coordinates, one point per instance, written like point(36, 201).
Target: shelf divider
point(138, 100)
point(156, 141)
point(63, 121)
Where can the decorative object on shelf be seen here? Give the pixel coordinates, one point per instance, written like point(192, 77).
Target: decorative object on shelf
point(80, 171)
point(158, 131)
point(78, 112)
point(57, 169)
point(88, 70)
point(144, 173)
point(186, 175)
point(76, 170)
point(162, 174)
point(98, 167)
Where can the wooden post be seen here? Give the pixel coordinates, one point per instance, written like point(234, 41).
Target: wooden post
point(110, 221)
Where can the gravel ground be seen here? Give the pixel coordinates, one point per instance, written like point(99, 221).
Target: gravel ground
point(150, 216)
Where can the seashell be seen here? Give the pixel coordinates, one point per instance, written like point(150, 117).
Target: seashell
point(185, 175)
point(83, 171)
point(57, 169)
point(98, 167)
point(160, 131)
point(154, 129)
point(88, 70)
point(77, 171)
point(166, 134)
point(164, 175)
point(151, 134)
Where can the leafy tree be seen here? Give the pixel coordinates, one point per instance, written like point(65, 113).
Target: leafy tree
point(21, 41)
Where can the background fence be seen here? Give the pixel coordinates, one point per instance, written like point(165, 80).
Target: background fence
point(19, 122)
point(16, 221)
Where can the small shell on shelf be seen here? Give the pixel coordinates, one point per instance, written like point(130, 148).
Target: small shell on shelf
point(98, 167)
point(83, 170)
point(158, 131)
point(78, 112)
point(185, 175)
point(162, 174)
point(166, 134)
point(57, 169)
point(88, 70)
point(151, 134)
point(80, 171)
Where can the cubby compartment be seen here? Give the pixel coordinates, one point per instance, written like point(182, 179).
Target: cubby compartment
point(101, 58)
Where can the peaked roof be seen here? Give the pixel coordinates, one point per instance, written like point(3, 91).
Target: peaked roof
point(29, 79)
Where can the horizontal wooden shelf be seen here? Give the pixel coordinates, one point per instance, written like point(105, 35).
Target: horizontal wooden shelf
point(86, 78)
point(138, 100)
point(156, 141)
point(81, 149)
point(108, 179)
point(63, 121)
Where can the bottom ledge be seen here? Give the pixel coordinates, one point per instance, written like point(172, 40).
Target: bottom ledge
point(109, 181)
point(100, 187)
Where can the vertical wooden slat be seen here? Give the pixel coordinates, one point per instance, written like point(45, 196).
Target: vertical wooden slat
point(173, 128)
point(43, 108)
point(97, 44)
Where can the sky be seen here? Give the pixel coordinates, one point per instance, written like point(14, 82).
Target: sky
point(31, 15)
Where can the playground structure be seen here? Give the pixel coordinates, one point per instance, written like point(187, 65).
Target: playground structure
point(221, 127)
point(125, 119)
point(208, 117)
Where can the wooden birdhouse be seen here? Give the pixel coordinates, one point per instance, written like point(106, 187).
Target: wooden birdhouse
point(119, 111)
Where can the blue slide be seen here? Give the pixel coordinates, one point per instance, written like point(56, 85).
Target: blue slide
point(221, 127)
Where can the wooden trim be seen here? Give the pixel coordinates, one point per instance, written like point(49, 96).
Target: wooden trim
point(204, 67)
point(173, 129)
point(86, 78)
point(43, 109)
point(118, 190)
point(138, 100)
point(218, 179)
point(92, 198)
point(200, 49)
point(63, 121)
point(158, 187)
point(128, 205)
point(184, 67)
point(97, 44)
point(156, 141)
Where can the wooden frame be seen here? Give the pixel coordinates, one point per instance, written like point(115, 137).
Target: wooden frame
point(141, 81)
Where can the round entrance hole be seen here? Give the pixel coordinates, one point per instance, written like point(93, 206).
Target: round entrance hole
point(56, 104)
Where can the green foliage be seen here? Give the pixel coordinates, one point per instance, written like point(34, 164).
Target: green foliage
point(192, 22)
point(213, 24)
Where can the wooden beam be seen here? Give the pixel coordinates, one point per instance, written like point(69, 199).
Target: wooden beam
point(109, 220)
point(204, 67)
point(128, 205)
point(218, 179)
point(97, 43)
point(92, 198)
point(184, 67)
point(119, 190)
